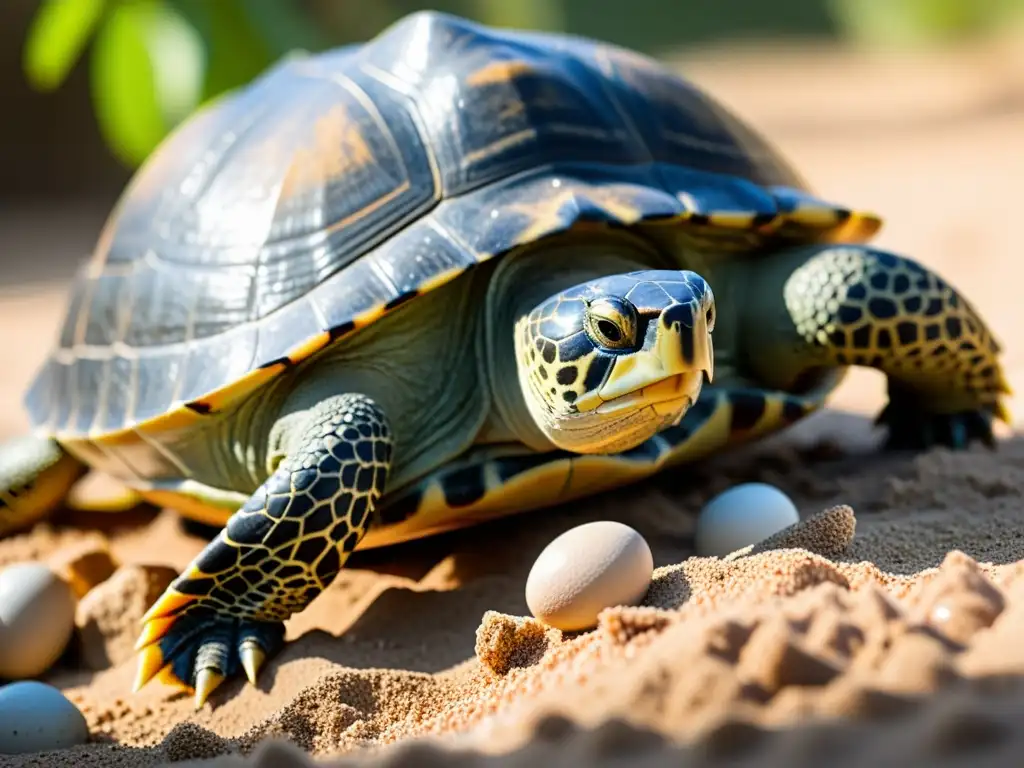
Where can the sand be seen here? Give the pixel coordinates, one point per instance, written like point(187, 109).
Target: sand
point(882, 630)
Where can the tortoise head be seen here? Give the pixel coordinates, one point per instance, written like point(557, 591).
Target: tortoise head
point(606, 364)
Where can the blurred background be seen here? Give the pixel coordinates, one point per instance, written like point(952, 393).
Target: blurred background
point(914, 108)
point(91, 86)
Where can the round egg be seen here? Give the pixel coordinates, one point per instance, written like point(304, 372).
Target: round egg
point(37, 618)
point(587, 569)
point(35, 717)
point(743, 515)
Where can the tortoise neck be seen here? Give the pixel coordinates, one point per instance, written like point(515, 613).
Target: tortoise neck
point(524, 279)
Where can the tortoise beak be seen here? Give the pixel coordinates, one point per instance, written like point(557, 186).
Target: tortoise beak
point(683, 347)
point(673, 368)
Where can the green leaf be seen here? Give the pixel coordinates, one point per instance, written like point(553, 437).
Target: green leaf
point(916, 22)
point(179, 63)
point(147, 72)
point(56, 38)
point(525, 14)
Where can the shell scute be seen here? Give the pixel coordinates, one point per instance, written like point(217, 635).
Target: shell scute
point(338, 186)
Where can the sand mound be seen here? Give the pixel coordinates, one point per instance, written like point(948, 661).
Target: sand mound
point(851, 621)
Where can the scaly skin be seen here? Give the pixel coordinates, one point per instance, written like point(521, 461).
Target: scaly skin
point(854, 305)
point(277, 553)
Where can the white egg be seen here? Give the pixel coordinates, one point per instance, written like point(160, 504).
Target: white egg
point(743, 515)
point(587, 569)
point(35, 717)
point(37, 619)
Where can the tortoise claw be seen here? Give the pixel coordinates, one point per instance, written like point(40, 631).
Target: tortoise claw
point(911, 428)
point(198, 651)
point(252, 657)
point(207, 681)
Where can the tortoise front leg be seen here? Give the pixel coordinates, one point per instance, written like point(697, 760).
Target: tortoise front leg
point(854, 305)
point(274, 556)
point(35, 476)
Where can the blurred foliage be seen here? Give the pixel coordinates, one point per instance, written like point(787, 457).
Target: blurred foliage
point(154, 62)
point(913, 22)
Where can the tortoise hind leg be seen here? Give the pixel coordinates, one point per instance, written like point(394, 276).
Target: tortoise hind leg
point(278, 552)
point(855, 305)
point(36, 475)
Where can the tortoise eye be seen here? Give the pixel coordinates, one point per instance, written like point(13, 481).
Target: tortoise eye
point(611, 323)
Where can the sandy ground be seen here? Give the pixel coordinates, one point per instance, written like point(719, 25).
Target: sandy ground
point(848, 648)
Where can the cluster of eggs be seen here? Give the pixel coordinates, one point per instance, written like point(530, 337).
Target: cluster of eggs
point(37, 620)
point(603, 564)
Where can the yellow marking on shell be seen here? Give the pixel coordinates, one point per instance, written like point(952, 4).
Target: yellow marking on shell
point(816, 216)
point(362, 213)
point(337, 147)
point(732, 219)
point(860, 227)
point(440, 279)
point(175, 418)
point(309, 347)
point(545, 216)
point(498, 72)
point(183, 418)
point(501, 145)
point(221, 399)
point(369, 316)
point(512, 109)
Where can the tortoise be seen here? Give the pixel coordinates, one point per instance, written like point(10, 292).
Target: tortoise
point(452, 273)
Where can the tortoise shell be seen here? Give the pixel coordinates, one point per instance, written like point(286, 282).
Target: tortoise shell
point(338, 186)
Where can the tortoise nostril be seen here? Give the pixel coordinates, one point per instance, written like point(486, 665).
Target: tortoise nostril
point(678, 315)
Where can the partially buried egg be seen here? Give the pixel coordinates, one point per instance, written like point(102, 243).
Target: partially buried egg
point(36, 717)
point(743, 515)
point(37, 618)
point(587, 569)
